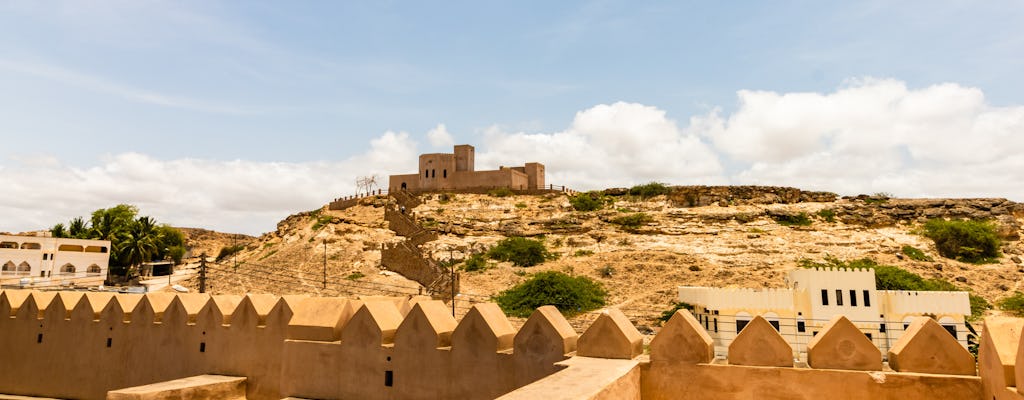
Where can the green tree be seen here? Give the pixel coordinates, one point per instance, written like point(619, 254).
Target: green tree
point(78, 228)
point(139, 244)
point(520, 251)
point(967, 241)
point(58, 231)
point(571, 295)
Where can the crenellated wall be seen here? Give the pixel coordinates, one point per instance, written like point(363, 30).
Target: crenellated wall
point(82, 345)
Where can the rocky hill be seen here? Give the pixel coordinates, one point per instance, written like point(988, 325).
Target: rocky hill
point(737, 236)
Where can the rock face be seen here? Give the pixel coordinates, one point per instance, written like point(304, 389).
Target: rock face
point(879, 212)
point(699, 196)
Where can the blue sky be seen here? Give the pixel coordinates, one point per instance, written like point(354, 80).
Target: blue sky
point(306, 87)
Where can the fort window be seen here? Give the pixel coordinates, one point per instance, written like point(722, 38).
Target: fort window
point(824, 297)
point(444, 173)
point(839, 297)
point(853, 298)
point(109, 341)
point(867, 298)
point(740, 324)
point(202, 347)
point(433, 173)
point(389, 378)
point(39, 338)
point(426, 173)
point(404, 187)
point(30, 246)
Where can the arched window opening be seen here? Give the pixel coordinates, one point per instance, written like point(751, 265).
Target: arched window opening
point(742, 319)
point(773, 319)
point(24, 268)
point(67, 269)
point(30, 246)
point(95, 249)
point(93, 270)
point(70, 247)
point(404, 187)
point(426, 173)
point(433, 173)
point(8, 245)
point(8, 268)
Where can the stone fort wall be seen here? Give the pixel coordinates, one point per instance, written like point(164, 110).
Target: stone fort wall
point(81, 345)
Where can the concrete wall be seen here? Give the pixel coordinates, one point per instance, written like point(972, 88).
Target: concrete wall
point(46, 260)
point(81, 345)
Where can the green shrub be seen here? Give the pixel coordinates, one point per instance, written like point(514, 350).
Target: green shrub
point(520, 205)
point(801, 219)
point(474, 263)
point(520, 251)
point(228, 251)
point(827, 214)
point(589, 201)
point(583, 253)
point(1014, 304)
point(355, 276)
point(915, 254)
point(606, 271)
point(321, 221)
point(978, 305)
point(649, 190)
point(667, 314)
point(968, 241)
point(632, 221)
point(571, 295)
point(500, 192)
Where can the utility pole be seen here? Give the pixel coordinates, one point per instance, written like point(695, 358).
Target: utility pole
point(325, 263)
point(202, 273)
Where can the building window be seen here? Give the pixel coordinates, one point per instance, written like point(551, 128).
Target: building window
point(881, 328)
point(433, 173)
point(801, 327)
point(444, 173)
point(951, 329)
point(853, 298)
point(775, 324)
point(716, 325)
point(824, 297)
point(867, 298)
point(426, 173)
point(839, 297)
point(389, 378)
point(740, 324)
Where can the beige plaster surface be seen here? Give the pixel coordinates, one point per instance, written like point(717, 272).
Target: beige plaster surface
point(760, 344)
point(683, 339)
point(611, 335)
point(840, 345)
point(193, 387)
point(585, 378)
point(928, 348)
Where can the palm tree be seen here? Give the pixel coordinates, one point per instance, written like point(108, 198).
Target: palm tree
point(58, 231)
point(139, 243)
point(78, 228)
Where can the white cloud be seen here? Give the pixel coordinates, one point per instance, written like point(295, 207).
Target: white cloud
point(874, 135)
point(608, 145)
point(439, 137)
point(868, 136)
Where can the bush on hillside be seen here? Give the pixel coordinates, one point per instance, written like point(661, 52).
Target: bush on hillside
point(228, 251)
point(520, 251)
point(474, 263)
point(649, 190)
point(500, 192)
point(967, 241)
point(632, 221)
point(801, 219)
point(571, 295)
point(589, 201)
point(1014, 304)
point(827, 214)
point(915, 254)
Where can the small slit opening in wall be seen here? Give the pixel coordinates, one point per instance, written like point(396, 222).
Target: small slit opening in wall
point(39, 338)
point(389, 378)
point(202, 347)
point(109, 341)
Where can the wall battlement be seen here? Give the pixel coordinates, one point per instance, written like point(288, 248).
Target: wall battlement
point(409, 348)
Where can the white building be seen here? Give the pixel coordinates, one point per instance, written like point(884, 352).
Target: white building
point(45, 261)
point(814, 296)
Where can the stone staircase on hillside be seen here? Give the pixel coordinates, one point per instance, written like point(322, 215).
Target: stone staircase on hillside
point(406, 257)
